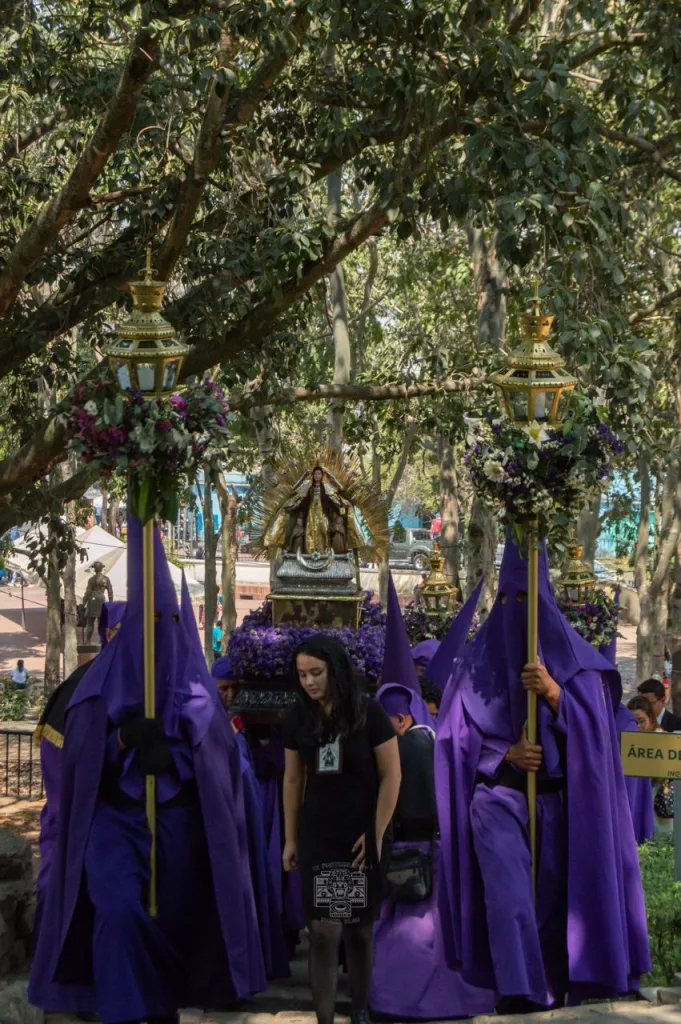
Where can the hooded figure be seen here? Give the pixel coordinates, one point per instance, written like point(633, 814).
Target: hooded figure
point(411, 979)
point(585, 936)
point(203, 948)
point(423, 653)
point(639, 791)
point(50, 734)
point(452, 645)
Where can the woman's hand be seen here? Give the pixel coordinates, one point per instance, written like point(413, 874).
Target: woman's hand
point(290, 855)
point(360, 849)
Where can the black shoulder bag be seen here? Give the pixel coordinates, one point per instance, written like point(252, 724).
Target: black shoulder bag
point(409, 878)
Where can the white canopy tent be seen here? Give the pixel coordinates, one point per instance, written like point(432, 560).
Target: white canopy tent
point(116, 568)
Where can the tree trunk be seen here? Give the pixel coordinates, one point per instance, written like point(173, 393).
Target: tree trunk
point(210, 591)
point(449, 508)
point(482, 544)
point(105, 511)
point(229, 505)
point(654, 595)
point(588, 528)
point(491, 283)
point(70, 608)
point(341, 334)
point(261, 417)
point(644, 630)
point(53, 634)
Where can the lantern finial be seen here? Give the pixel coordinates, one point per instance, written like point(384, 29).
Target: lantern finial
point(148, 275)
point(534, 385)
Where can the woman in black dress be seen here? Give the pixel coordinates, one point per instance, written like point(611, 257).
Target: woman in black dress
point(341, 783)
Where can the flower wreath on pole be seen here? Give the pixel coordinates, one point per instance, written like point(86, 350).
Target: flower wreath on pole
point(160, 443)
point(542, 475)
point(595, 620)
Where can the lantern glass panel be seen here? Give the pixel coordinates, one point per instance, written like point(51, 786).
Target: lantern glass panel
point(123, 376)
point(563, 402)
point(518, 401)
point(573, 594)
point(170, 375)
point(146, 377)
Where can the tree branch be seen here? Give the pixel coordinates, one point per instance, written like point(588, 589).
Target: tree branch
point(349, 393)
point(402, 461)
point(608, 41)
point(14, 147)
point(56, 213)
point(122, 193)
point(521, 16)
point(222, 110)
point(643, 314)
point(645, 146)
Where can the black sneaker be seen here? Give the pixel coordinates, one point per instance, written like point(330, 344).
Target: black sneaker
point(361, 1017)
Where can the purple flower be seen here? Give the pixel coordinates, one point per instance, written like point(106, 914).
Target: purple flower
point(179, 403)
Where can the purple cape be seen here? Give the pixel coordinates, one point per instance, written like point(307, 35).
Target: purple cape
point(398, 663)
point(639, 791)
point(604, 936)
point(226, 961)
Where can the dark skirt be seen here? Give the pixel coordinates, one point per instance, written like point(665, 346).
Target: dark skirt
point(332, 889)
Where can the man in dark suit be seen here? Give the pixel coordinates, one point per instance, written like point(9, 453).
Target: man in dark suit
point(656, 695)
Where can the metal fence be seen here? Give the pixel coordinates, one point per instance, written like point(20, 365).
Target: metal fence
point(20, 774)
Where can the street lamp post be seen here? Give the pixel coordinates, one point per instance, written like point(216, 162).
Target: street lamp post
point(535, 390)
point(146, 357)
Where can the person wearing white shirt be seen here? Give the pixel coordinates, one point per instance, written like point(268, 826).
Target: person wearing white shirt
point(19, 676)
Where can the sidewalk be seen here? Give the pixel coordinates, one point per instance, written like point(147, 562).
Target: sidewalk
point(16, 642)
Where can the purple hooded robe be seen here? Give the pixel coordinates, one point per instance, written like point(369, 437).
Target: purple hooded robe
point(586, 935)
point(50, 732)
point(203, 949)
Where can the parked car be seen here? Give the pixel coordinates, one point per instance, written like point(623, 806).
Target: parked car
point(412, 547)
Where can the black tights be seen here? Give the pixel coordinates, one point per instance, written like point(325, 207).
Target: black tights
point(325, 939)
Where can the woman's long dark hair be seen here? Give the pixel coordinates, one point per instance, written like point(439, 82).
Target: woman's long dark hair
point(348, 698)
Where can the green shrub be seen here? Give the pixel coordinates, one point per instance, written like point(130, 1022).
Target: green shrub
point(13, 703)
point(663, 906)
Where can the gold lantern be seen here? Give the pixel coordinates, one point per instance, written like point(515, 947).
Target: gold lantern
point(534, 386)
point(146, 354)
point(437, 592)
point(576, 581)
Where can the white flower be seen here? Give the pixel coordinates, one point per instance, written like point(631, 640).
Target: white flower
point(537, 433)
point(91, 407)
point(493, 470)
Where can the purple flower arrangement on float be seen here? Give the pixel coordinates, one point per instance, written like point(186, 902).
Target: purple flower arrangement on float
point(542, 474)
point(595, 620)
point(160, 442)
point(260, 651)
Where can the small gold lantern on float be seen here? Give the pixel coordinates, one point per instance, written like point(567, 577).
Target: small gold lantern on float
point(534, 385)
point(437, 593)
point(146, 355)
point(576, 581)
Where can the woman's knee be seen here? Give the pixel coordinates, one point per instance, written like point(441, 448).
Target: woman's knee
point(324, 934)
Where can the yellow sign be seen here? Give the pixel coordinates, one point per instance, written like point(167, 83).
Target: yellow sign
point(651, 755)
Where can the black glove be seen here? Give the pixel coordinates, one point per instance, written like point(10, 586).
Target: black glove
point(156, 760)
point(141, 733)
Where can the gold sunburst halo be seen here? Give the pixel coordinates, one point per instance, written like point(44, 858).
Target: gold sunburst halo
point(343, 470)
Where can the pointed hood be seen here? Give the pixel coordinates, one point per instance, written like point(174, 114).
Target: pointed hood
point(489, 670)
point(187, 613)
point(440, 668)
point(397, 699)
point(117, 675)
point(398, 663)
point(111, 614)
point(609, 651)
